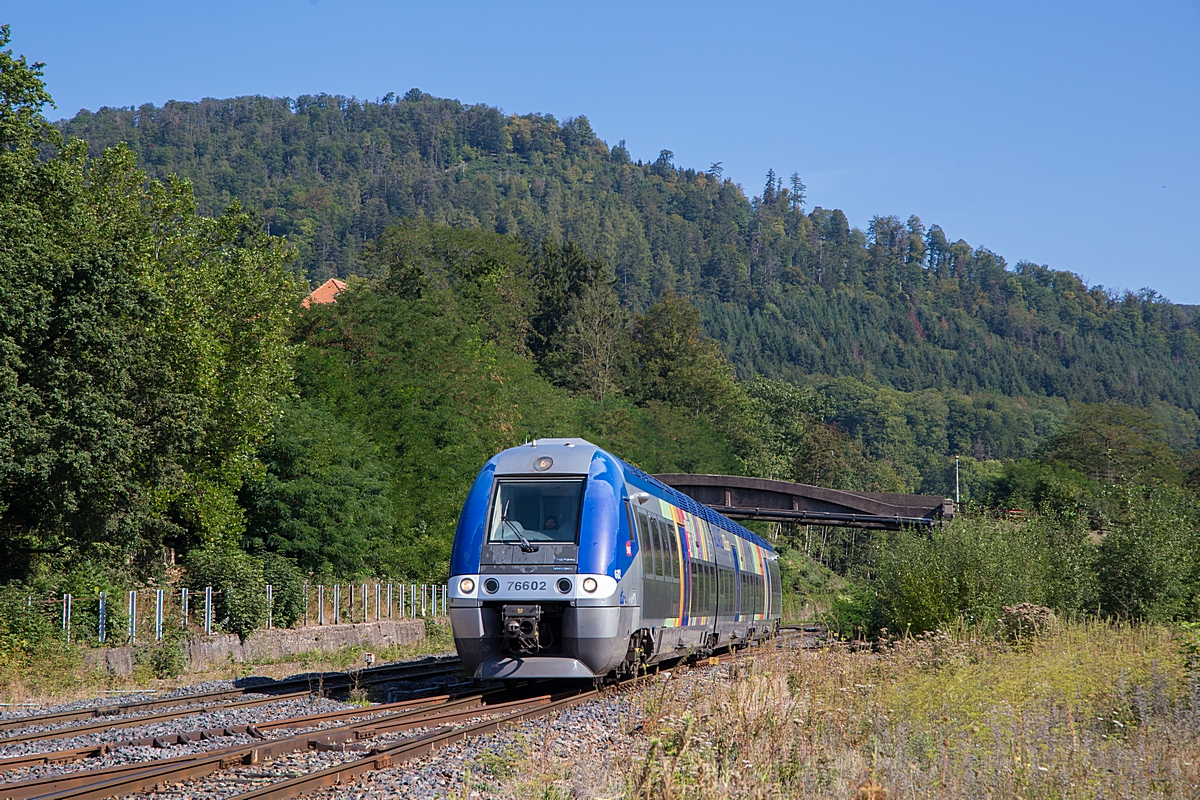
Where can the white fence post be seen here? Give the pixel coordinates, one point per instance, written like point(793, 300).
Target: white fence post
point(102, 619)
point(389, 601)
point(321, 604)
point(208, 611)
point(158, 614)
point(270, 607)
point(183, 604)
point(337, 603)
point(133, 616)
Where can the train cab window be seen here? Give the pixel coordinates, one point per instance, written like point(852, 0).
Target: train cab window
point(536, 511)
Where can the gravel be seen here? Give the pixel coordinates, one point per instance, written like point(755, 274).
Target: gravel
point(215, 717)
point(117, 698)
point(585, 751)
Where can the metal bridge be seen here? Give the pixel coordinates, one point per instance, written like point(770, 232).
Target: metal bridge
point(780, 501)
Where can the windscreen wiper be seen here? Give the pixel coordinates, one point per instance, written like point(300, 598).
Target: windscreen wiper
point(526, 545)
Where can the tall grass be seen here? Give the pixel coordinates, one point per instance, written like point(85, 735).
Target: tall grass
point(1089, 710)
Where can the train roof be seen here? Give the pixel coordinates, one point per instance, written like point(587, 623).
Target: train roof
point(699, 509)
point(575, 456)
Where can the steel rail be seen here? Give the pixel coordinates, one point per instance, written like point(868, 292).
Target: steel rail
point(117, 709)
point(327, 681)
point(36, 786)
point(189, 737)
point(143, 777)
point(149, 719)
point(385, 757)
point(390, 756)
point(131, 779)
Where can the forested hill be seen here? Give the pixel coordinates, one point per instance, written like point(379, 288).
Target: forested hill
point(789, 292)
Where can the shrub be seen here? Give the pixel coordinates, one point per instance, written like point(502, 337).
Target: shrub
point(287, 588)
point(239, 590)
point(1147, 564)
point(974, 566)
point(28, 627)
point(855, 613)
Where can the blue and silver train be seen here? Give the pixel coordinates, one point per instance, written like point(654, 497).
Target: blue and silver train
point(570, 563)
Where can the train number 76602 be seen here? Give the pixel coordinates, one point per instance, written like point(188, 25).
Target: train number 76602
point(526, 586)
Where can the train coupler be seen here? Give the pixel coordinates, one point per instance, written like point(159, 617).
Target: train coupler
point(522, 626)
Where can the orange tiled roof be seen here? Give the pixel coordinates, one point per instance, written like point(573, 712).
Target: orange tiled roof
point(327, 292)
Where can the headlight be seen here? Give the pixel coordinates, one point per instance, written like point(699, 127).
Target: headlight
point(466, 586)
point(491, 586)
point(589, 584)
point(564, 585)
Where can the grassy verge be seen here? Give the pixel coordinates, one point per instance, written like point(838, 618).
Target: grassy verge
point(1086, 711)
point(58, 672)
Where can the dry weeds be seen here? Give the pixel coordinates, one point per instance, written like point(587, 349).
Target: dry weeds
point(1085, 711)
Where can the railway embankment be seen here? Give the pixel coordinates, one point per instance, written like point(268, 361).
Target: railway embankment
point(203, 652)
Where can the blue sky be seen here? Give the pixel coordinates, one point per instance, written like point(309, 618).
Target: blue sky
point(1061, 133)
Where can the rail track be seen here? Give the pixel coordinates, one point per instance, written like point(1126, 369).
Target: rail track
point(125, 715)
point(361, 740)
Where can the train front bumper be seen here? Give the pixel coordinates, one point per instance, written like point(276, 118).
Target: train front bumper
point(590, 631)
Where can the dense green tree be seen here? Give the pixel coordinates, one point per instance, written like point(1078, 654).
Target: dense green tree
point(790, 295)
point(323, 500)
point(1113, 442)
point(676, 364)
point(143, 348)
point(596, 343)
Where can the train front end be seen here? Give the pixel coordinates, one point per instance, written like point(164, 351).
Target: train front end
point(541, 549)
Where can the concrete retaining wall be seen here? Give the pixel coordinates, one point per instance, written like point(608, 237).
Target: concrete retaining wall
point(269, 645)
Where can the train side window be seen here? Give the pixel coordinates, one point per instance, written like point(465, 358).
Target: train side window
point(652, 541)
point(660, 555)
point(663, 548)
point(644, 542)
point(668, 532)
point(652, 537)
point(695, 588)
point(708, 587)
point(674, 551)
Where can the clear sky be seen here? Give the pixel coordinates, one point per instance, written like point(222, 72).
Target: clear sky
point(1063, 133)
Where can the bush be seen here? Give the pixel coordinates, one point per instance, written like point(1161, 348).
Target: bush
point(856, 613)
point(974, 566)
point(1148, 560)
point(287, 588)
point(165, 659)
point(28, 627)
point(239, 589)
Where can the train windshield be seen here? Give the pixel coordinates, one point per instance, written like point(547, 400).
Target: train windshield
point(536, 511)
